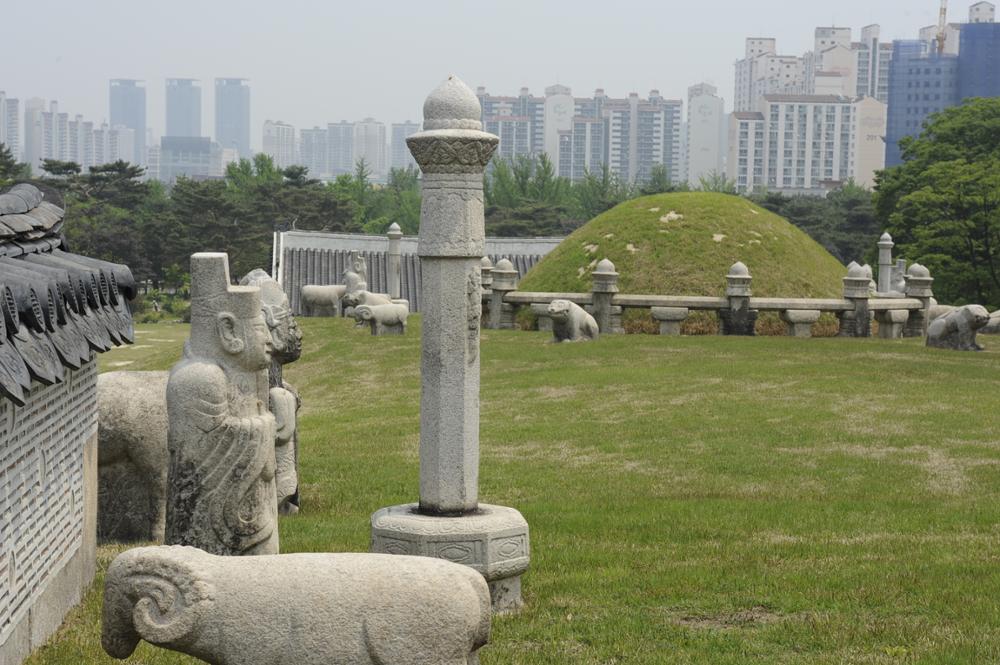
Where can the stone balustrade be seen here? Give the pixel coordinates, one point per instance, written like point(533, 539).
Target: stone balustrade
point(898, 315)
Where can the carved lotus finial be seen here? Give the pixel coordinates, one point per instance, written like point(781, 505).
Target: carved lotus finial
point(485, 262)
point(885, 237)
point(452, 105)
point(504, 265)
point(917, 270)
point(605, 266)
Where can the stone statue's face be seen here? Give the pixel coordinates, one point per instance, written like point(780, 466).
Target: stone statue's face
point(259, 347)
point(247, 341)
point(286, 337)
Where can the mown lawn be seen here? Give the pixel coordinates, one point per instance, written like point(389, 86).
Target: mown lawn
point(699, 500)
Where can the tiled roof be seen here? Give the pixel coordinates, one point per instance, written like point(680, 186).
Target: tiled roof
point(56, 307)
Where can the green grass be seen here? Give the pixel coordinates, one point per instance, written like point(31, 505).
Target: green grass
point(691, 255)
point(702, 500)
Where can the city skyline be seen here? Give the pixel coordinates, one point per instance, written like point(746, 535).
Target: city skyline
point(307, 89)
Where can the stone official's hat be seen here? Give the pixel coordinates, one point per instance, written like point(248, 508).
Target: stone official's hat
point(212, 293)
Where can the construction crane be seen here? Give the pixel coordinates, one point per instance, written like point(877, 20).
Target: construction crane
point(942, 35)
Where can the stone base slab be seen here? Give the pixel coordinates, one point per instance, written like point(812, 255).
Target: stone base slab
point(493, 541)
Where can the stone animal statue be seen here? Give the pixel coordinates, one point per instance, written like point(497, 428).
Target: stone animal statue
point(957, 330)
point(131, 455)
point(296, 609)
point(320, 300)
point(356, 298)
point(570, 322)
point(387, 319)
point(221, 490)
point(993, 327)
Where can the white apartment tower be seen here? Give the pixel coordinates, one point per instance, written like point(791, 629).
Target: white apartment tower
point(370, 145)
point(10, 128)
point(518, 121)
point(806, 144)
point(314, 153)
point(279, 143)
point(399, 154)
point(340, 144)
point(706, 133)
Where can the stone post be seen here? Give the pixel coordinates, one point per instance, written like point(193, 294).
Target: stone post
point(799, 322)
point(857, 322)
point(739, 319)
point(670, 319)
point(885, 265)
point(918, 285)
point(504, 276)
point(449, 522)
point(604, 287)
point(394, 265)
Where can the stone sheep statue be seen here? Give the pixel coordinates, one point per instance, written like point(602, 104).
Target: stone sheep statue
point(358, 298)
point(389, 319)
point(296, 609)
point(957, 330)
point(322, 300)
point(570, 323)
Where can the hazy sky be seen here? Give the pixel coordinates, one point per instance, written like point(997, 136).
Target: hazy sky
point(310, 63)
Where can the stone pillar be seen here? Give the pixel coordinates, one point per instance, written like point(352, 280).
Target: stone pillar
point(504, 276)
point(857, 322)
point(739, 319)
point(800, 321)
point(891, 323)
point(670, 319)
point(604, 288)
point(394, 265)
point(885, 265)
point(449, 522)
point(918, 285)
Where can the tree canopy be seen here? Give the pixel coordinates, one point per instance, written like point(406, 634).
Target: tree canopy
point(942, 204)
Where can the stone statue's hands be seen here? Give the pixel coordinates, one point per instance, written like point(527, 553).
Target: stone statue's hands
point(283, 407)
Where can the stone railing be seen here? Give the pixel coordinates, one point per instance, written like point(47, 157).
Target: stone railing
point(904, 314)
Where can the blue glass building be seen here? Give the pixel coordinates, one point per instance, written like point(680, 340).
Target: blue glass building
point(921, 82)
point(979, 60)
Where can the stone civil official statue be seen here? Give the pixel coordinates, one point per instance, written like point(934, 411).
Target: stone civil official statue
point(221, 494)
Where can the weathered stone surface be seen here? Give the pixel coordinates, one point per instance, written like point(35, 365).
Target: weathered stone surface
point(221, 493)
point(386, 319)
point(357, 298)
point(132, 456)
point(504, 279)
point(604, 286)
point(452, 153)
point(992, 327)
point(670, 319)
point(857, 289)
point(542, 320)
point(891, 323)
point(286, 343)
point(320, 300)
point(800, 321)
point(295, 609)
point(493, 540)
point(570, 323)
point(738, 318)
point(957, 330)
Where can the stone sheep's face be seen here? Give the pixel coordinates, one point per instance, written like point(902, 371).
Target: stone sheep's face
point(559, 310)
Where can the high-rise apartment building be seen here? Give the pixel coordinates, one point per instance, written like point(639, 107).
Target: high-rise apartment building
point(519, 121)
point(196, 157)
point(127, 103)
point(33, 137)
point(762, 71)
point(232, 115)
point(340, 143)
point(806, 144)
point(314, 153)
point(279, 143)
point(183, 107)
point(399, 154)
point(370, 145)
point(874, 61)
point(707, 127)
point(10, 125)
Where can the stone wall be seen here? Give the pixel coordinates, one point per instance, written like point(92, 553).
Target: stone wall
point(48, 506)
point(308, 257)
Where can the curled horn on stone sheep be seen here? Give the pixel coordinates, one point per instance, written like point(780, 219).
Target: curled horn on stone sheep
point(363, 313)
point(150, 598)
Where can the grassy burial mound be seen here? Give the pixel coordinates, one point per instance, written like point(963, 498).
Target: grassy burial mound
point(684, 243)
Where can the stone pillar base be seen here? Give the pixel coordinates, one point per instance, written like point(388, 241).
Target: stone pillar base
point(493, 540)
